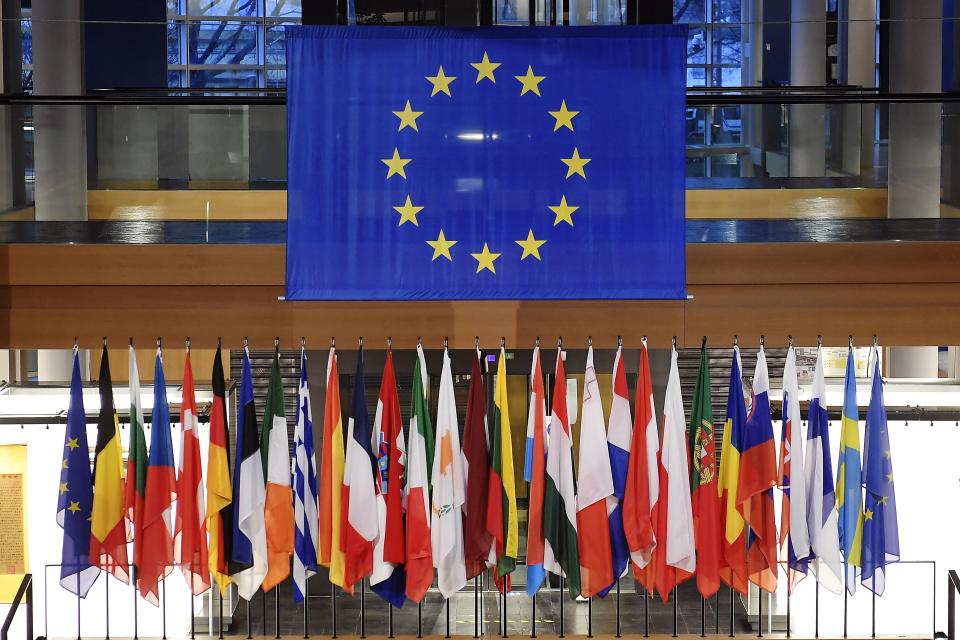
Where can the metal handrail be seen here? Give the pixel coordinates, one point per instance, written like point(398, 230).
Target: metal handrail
point(25, 594)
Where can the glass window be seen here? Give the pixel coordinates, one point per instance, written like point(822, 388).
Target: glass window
point(173, 43)
point(276, 45)
point(689, 11)
point(174, 79)
point(697, 45)
point(225, 78)
point(223, 42)
point(228, 8)
point(284, 9)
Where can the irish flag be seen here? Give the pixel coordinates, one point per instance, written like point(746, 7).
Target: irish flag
point(502, 520)
point(278, 509)
point(417, 489)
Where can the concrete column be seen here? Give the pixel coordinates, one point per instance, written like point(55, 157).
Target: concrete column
point(59, 151)
point(752, 117)
point(859, 47)
point(808, 59)
point(916, 40)
point(912, 362)
point(56, 365)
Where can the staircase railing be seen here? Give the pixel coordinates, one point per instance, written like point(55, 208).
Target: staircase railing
point(25, 595)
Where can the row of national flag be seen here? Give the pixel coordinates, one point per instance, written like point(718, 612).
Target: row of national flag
point(399, 506)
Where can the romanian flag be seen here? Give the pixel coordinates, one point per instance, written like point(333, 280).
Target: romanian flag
point(849, 484)
point(219, 492)
point(502, 519)
point(703, 483)
point(136, 485)
point(594, 486)
point(331, 478)
point(758, 476)
point(157, 552)
point(108, 539)
point(535, 474)
point(478, 543)
point(733, 566)
point(278, 505)
point(417, 489)
point(643, 479)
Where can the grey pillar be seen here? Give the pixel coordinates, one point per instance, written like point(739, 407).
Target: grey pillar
point(912, 362)
point(752, 117)
point(56, 365)
point(808, 56)
point(60, 161)
point(916, 40)
point(859, 48)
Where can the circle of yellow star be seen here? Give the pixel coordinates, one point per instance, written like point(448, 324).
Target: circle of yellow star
point(74, 506)
point(396, 165)
point(441, 83)
point(575, 164)
point(63, 488)
point(65, 465)
point(72, 443)
point(485, 69)
point(441, 247)
point(564, 212)
point(408, 117)
point(882, 500)
point(564, 117)
point(530, 82)
point(531, 246)
point(485, 259)
point(868, 515)
point(408, 212)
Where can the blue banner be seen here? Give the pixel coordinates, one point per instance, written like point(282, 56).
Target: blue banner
point(497, 163)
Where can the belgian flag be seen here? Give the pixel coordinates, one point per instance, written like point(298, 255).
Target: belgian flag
point(108, 539)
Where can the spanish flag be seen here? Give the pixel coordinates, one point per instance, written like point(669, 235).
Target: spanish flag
point(108, 539)
point(219, 491)
point(331, 478)
point(502, 520)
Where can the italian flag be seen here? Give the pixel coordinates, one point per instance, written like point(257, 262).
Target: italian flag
point(417, 489)
point(502, 520)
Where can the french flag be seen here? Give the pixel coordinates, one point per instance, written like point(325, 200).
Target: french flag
point(619, 436)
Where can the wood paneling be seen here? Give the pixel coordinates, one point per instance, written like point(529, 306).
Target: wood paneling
point(908, 293)
point(786, 203)
point(174, 357)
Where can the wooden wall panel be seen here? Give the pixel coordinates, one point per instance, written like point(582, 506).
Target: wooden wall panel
point(909, 293)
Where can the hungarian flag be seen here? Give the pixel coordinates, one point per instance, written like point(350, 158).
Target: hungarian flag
point(219, 492)
point(75, 499)
point(675, 557)
point(305, 489)
point(417, 489)
point(478, 543)
point(358, 515)
point(703, 483)
point(389, 579)
point(758, 476)
point(535, 473)
point(449, 487)
point(136, 485)
point(733, 566)
point(594, 487)
point(108, 539)
point(331, 478)
point(619, 435)
point(190, 532)
point(278, 504)
point(794, 540)
point(249, 560)
point(643, 478)
point(560, 554)
point(161, 492)
point(821, 495)
point(502, 520)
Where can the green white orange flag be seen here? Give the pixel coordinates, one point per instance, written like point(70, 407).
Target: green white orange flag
point(278, 509)
point(331, 478)
point(417, 489)
point(502, 520)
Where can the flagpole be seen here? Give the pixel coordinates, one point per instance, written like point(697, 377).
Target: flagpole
point(816, 610)
point(363, 610)
point(476, 607)
point(78, 579)
point(220, 615)
point(263, 610)
point(133, 583)
point(420, 619)
point(590, 617)
point(333, 609)
point(306, 607)
point(618, 607)
point(389, 620)
point(731, 589)
point(192, 614)
point(703, 618)
point(646, 613)
point(249, 628)
point(533, 615)
point(789, 589)
point(276, 605)
point(561, 600)
point(759, 612)
point(164, 594)
point(675, 611)
point(107, 586)
point(448, 618)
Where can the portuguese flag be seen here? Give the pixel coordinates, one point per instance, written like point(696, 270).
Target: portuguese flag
point(703, 484)
point(136, 486)
point(502, 493)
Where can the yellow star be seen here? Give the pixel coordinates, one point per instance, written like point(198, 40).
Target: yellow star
point(868, 515)
point(886, 454)
point(564, 212)
point(530, 82)
point(408, 212)
point(408, 117)
point(63, 488)
point(65, 465)
point(72, 443)
point(882, 500)
point(441, 247)
point(531, 246)
point(575, 164)
point(485, 259)
point(74, 506)
point(890, 477)
point(485, 68)
point(396, 164)
point(564, 117)
point(440, 83)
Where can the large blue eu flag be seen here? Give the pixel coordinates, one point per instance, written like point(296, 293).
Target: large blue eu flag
point(504, 163)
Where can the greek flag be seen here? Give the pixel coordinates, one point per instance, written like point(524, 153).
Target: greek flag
point(306, 516)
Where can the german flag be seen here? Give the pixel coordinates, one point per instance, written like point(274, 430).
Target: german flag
point(219, 491)
point(108, 539)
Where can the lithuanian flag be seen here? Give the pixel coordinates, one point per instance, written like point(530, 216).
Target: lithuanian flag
point(502, 495)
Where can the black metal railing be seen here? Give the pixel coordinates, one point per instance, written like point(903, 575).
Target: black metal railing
point(953, 588)
point(24, 595)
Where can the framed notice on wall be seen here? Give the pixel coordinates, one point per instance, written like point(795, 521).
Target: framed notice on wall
point(13, 519)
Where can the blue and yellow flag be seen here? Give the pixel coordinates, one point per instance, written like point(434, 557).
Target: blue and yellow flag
point(441, 163)
point(849, 488)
